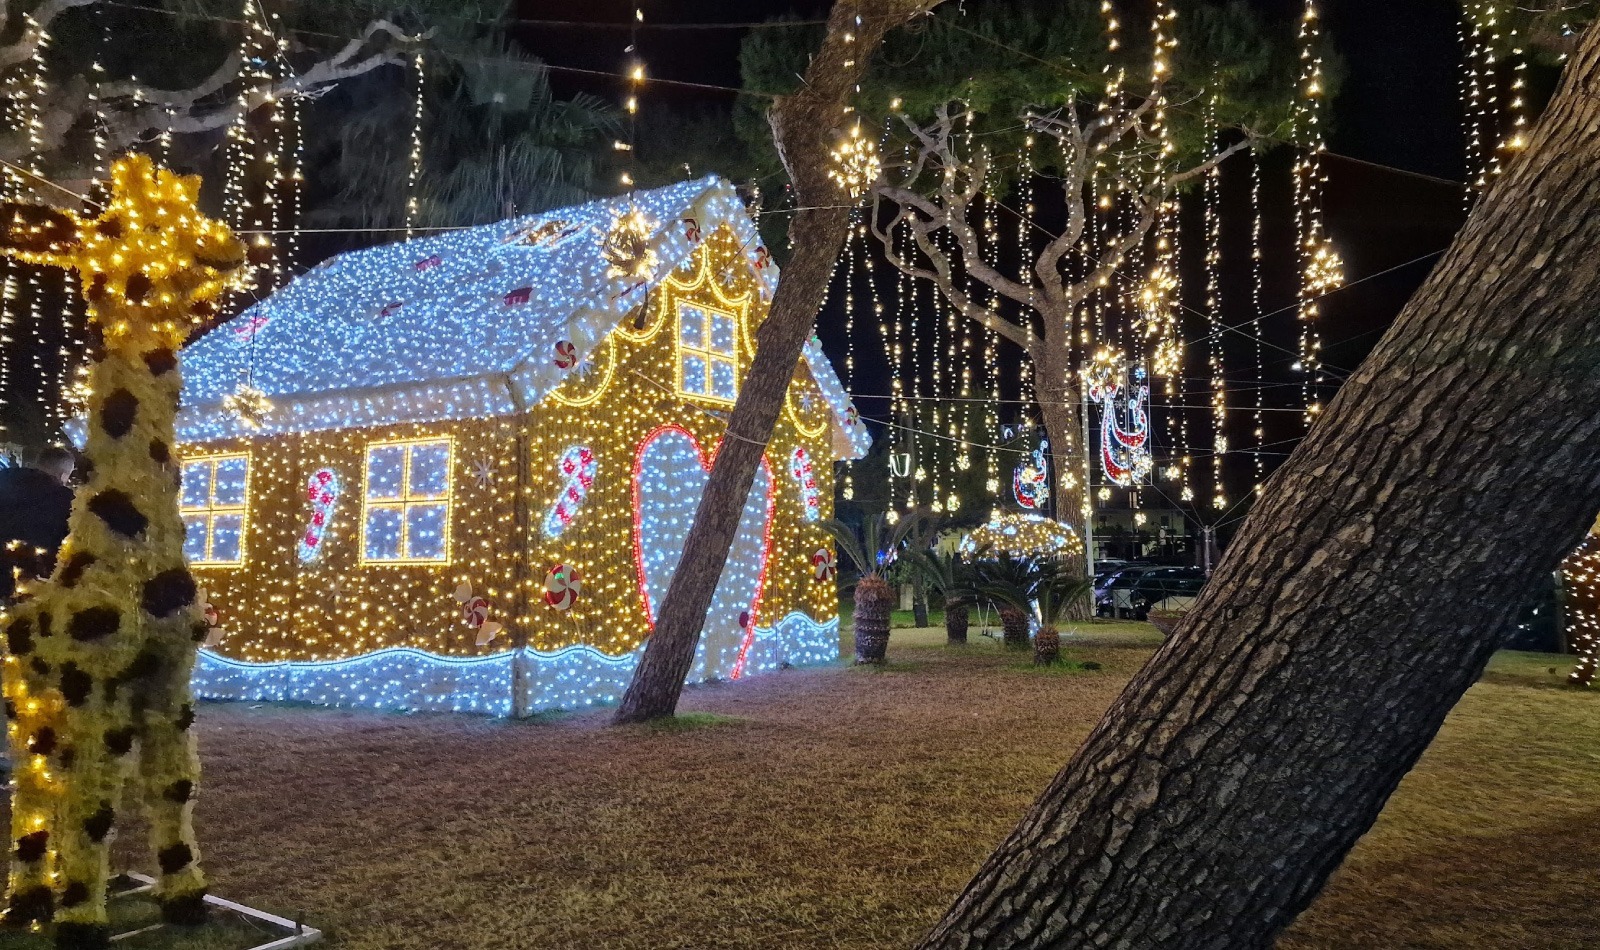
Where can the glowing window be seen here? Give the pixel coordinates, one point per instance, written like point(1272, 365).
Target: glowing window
point(214, 506)
point(406, 516)
point(708, 361)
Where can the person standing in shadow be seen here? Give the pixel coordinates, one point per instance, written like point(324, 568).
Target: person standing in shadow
point(35, 501)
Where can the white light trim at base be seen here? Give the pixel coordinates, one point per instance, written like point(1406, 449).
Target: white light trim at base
point(403, 678)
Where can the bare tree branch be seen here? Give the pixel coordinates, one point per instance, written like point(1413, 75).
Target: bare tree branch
point(179, 111)
point(32, 35)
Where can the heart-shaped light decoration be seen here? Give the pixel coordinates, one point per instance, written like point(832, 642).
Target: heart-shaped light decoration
point(670, 473)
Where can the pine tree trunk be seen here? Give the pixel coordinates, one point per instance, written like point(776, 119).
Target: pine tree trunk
point(1362, 597)
point(805, 126)
point(1059, 409)
point(956, 616)
point(874, 602)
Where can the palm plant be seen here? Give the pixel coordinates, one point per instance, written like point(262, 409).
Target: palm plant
point(953, 578)
point(1009, 583)
point(871, 553)
point(1054, 589)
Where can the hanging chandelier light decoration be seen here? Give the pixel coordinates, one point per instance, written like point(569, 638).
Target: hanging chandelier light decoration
point(855, 163)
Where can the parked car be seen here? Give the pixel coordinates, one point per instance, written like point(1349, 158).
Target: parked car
point(1157, 584)
point(1114, 588)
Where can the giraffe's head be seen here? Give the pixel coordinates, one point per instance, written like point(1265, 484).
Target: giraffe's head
point(151, 264)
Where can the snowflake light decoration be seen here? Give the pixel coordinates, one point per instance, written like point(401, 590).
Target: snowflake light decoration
point(249, 405)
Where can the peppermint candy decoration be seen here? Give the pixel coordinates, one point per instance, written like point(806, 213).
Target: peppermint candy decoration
point(428, 263)
point(474, 612)
point(562, 587)
point(823, 565)
point(518, 297)
point(691, 228)
point(322, 490)
point(852, 416)
point(566, 354)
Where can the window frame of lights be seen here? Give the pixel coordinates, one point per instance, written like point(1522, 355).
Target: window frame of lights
point(210, 509)
point(406, 501)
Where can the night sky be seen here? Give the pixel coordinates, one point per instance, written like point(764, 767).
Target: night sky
point(1393, 198)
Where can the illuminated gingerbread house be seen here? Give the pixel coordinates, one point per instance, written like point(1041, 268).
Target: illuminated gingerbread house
point(481, 458)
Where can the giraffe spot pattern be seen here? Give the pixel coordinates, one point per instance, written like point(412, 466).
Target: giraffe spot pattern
point(31, 846)
point(169, 592)
point(72, 570)
point(137, 286)
point(147, 663)
point(160, 452)
point(174, 858)
point(179, 792)
point(117, 412)
point(44, 624)
point(160, 362)
point(93, 623)
point(186, 717)
point(98, 825)
point(74, 894)
point(19, 637)
point(119, 741)
point(118, 511)
point(40, 666)
point(42, 742)
point(31, 904)
point(75, 684)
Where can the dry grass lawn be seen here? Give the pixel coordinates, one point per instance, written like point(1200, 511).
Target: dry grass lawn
point(835, 808)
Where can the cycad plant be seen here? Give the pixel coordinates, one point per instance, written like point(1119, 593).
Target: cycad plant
point(1054, 589)
point(1009, 583)
point(871, 553)
point(952, 578)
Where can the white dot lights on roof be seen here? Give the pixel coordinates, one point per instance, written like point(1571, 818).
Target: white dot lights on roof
point(441, 324)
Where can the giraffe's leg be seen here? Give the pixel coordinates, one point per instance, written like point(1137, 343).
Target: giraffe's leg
point(31, 724)
point(169, 771)
point(99, 739)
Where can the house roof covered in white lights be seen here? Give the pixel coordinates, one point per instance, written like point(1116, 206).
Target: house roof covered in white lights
point(462, 324)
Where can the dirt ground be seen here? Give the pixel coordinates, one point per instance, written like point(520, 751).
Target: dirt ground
point(834, 808)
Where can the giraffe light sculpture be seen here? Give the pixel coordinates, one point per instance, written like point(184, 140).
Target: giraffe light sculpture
point(99, 655)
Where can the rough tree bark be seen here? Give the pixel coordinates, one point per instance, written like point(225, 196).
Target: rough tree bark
point(805, 126)
point(1363, 596)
